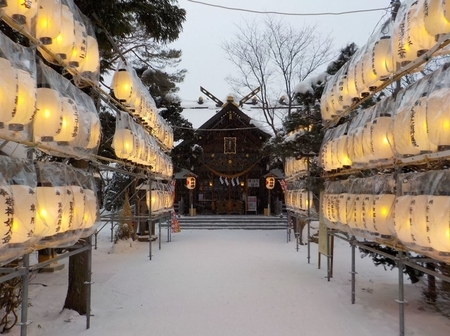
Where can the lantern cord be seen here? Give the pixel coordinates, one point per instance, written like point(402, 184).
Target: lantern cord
point(230, 176)
point(286, 13)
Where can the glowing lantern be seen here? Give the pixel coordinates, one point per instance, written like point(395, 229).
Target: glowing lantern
point(357, 146)
point(380, 147)
point(26, 101)
point(24, 213)
point(307, 201)
point(438, 214)
point(69, 124)
point(354, 212)
point(382, 60)
point(48, 20)
point(153, 200)
point(403, 123)
point(418, 223)
point(402, 219)
point(342, 153)
point(371, 79)
point(438, 117)
point(64, 43)
point(78, 52)
point(68, 209)
point(21, 11)
point(123, 143)
point(8, 90)
point(434, 17)
point(49, 211)
point(381, 207)
point(366, 137)
point(367, 212)
point(91, 63)
point(95, 131)
point(48, 117)
point(190, 182)
point(342, 207)
point(90, 209)
point(6, 214)
point(78, 207)
point(123, 86)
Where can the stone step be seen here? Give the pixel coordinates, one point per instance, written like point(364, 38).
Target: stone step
point(230, 222)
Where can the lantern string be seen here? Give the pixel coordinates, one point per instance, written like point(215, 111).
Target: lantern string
point(230, 176)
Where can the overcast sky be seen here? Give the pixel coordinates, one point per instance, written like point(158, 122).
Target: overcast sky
point(206, 28)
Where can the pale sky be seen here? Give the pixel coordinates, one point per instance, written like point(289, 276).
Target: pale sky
point(206, 28)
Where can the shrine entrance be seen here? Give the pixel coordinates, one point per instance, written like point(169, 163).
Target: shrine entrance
point(230, 177)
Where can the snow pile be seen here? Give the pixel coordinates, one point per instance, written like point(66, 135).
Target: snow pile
point(307, 85)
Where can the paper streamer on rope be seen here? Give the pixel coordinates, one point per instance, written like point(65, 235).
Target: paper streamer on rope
point(232, 182)
point(221, 180)
point(226, 182)
point(237, 180)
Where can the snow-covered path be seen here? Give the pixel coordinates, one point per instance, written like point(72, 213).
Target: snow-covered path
point(230, 283)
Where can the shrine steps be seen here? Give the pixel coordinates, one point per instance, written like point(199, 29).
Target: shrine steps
point(233, 222)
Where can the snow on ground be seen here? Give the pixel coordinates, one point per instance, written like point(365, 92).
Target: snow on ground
point(229, 282)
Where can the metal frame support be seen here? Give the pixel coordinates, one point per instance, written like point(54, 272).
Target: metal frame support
point(401, 294)
point(159, 234)
point(88, 282)
point(353, 272)
point(24, 307)
point(329, 260)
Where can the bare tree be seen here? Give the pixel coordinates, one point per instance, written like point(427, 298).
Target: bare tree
point(274, 56)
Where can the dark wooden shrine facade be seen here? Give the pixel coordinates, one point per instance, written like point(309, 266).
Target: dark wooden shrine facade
point(230, 176)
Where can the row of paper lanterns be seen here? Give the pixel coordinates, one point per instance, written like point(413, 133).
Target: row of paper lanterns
point(416, 122)
point(415, 220)
point(50, 204)
point(293, 167)
point(415, 30)
point(49, 111)
point(133, 143)
point(298, 200)
point(61, 29)
point(129, 90)
point(159, 198)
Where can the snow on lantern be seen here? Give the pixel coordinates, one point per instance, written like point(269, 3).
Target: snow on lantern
point(8, 90)
point(438, 117)
point(48, 117)
point(24, 213)
point(26, 101)
point(48, 20)
point(435, 19)
point(438, 225)
point(21, 11)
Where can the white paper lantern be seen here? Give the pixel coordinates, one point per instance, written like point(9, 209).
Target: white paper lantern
point(342, 152)
point(367, 213)
point(26, 101)
point(8, 90)
point(91, 63)
point(354, 207)
point(382, 61)
point(402, 132)
point(49, 209)
point(438, 117)
point(402, 219)
point(380, 145)
point(419, 233)
point(24, 213)
point(342, 206)
point(79, 207)
point(90, 210)
point(78, 53)
point(70, 122)
point(381, 211)
point(434, 17)
point(438, 225)
point(48, 118)
point(21, 11)
point(123, 143)
point(95, 131)
point(123, 86)
point(48, 20)
point(6, 214)
point(68, 209)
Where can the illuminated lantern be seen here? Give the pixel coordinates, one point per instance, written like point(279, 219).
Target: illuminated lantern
point(26, 101)
point(68, 209)
point(48, 117)
point(434, 17)
point(438, 214)
point(382, 61)
point(153, 200)
point(367, 213)
point(371, 79)
point(379, 143)
point(123, 143)
point(402, 219)
point(91, 63)
point(342, 152)
point(95, 131)
point(70, 122)
point(403, 124)
point(438, 117)
point(64, 43)
point(418, 223)
point(48, 20)
point(24, 213)
point(8, 90)
point(90, 209)
point(361, 86)
point(411, 39)
point(123, 86)
point(190, 182)
point(366, 137)
point(381, 208)
point(49, 209)
point(342, 207)
point(6, 214)
point(354, 220)
point(357, 145)
point(21, 11)
point(78, 52)
point(270, 182)
point(78, 207)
